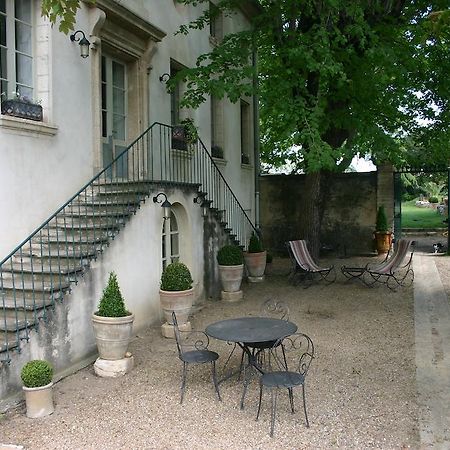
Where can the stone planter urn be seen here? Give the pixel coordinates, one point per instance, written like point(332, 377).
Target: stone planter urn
point(176, 295)
point(231, 279)
point(39, 401)
point(112, 335)
point(255, 264)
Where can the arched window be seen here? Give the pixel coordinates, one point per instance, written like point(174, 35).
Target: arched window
point(170, 241)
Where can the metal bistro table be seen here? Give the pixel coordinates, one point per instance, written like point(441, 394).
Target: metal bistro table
point(247, 330)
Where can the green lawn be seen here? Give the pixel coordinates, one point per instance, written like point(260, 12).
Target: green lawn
point(415, 217)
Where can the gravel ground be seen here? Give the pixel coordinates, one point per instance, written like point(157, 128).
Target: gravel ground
point(361, 389)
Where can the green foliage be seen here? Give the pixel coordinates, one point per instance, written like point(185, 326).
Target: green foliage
point(230, 255)
point(255, 245)
point(36, 373)
point(190, 130)
point(433, 200)
point(269, 258)
point(62, 10)
point(112, 303)
point(176, 277)
point(381, 225)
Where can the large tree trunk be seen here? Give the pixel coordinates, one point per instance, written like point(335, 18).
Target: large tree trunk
point(312, 204)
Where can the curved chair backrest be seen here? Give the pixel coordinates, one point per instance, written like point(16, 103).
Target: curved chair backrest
point(298, 353)
point(299, 250)
point(392, 263)
point(274, 308)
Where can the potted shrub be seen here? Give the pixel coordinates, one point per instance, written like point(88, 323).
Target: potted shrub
point(231, 269)
point(37, 382)
point(112, 323)
point(255, 259)
point(383, 236)
point(22, 106)
point(176, 294)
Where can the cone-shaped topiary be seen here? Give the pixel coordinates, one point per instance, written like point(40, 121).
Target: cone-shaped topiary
point(176, 277)
point(254, 245)
point(230, 255)
point(36, 373)
point(112, 303)
point(381, 225)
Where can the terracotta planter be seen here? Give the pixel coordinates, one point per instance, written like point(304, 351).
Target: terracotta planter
point(178, 301)
point(255, 264)
point(39, 401)
point(231, 277)
point(112, 335)
point(383, 241)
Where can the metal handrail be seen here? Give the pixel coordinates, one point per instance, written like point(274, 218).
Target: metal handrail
point(42, 267)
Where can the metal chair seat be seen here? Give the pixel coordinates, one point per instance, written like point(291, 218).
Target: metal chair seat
point(199, 356)
point(282, 379)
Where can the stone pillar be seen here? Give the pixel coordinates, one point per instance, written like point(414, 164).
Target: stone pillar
point(385, 191)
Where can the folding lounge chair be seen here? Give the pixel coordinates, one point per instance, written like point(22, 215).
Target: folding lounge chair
point(390, 271)
point(303, 264)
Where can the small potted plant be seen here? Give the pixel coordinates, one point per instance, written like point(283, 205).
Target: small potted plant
point(22, 106)
point(231, 269)
point(37, 382)
point(112, 323)
point(183, 134)
point(176, 294)
point(383, 236)
point(255, 259)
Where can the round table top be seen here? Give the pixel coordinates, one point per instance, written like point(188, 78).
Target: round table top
point(251, 329)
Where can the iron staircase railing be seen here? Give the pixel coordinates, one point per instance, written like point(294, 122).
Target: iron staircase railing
point(41, 269)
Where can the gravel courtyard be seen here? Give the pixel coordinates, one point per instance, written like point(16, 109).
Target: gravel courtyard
point(361, 390)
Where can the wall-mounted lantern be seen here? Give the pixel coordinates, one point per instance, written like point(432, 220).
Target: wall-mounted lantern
point(165, 204)
point(83, 42)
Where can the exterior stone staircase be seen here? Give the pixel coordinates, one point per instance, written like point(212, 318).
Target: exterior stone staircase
point(47, 265)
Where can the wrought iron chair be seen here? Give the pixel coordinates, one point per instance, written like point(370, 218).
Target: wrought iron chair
point(269, 308)
point(391, 271)
point(193, 349)
point(303, 265)
point(299, 349)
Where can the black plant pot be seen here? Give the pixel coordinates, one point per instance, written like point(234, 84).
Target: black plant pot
point(25, 110)
point(179, 138)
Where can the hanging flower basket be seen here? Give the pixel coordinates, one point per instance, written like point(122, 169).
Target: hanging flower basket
point(24, 110)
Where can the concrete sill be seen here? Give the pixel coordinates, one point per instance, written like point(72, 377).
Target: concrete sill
point(27, 127)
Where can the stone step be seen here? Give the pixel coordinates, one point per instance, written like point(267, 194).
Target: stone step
point(35, 301)
point(54, 277)
point(78, 234)
point(67, 247)
point(13, 320)
point(23, 287)
point(103, 205)
point(8, 341)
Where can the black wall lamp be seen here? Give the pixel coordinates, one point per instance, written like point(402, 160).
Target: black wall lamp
point(164, 78)
point(165, 204)
point(200, 200)
point(83, 42)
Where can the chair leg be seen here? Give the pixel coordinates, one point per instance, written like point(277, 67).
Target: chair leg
point(274, 409)
point(260, 400)
point(247, 374)
point(183, 382)
point(291, 399)
point(214, 378)
point(241, 366)
point(304, 405)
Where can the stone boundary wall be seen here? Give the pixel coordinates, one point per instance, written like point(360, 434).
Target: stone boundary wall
point(349, 210)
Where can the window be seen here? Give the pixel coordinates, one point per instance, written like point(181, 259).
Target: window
point(16, 47)
point(170, 241)
point(175, 97)
point(245, 132)
point(216, 128)
point(215, 22)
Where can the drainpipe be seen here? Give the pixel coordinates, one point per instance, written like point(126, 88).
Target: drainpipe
point(257, 159)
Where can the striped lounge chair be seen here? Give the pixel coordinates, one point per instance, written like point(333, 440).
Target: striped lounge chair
point(303, 265)
point(392, 271)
